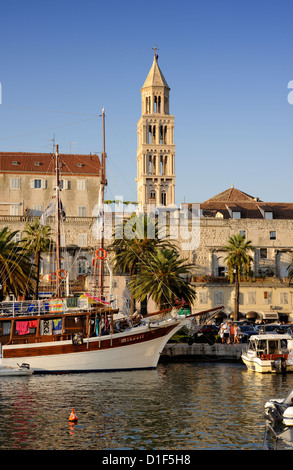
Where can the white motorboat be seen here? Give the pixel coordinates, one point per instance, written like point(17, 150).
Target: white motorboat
point(280, 410)
point(9, 371)
point(269, 353)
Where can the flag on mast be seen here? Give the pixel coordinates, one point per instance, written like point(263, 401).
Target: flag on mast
point(50, 209)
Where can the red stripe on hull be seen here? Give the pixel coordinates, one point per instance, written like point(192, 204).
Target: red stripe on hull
point(99, 344)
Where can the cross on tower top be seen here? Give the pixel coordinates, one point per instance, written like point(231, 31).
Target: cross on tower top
point(155, 48)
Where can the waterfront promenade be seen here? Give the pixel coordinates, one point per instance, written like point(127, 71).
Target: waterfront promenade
point(177, 352)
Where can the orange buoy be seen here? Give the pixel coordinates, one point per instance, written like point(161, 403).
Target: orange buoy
point(73, 417)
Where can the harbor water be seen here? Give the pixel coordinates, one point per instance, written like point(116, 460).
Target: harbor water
point(189, 406)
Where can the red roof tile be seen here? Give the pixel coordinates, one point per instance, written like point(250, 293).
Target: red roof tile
point(19, 162)
point(250, 207)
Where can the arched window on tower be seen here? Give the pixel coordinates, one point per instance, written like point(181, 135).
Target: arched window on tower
point(163, 198)
point(150, 165)
point(154, 165)
point(157, 104)
point(163, 165)
point(161, 137)
point(148, 104)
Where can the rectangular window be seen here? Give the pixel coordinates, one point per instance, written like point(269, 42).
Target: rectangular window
point(38, 183)
point(267, 297)
point(284, 298)
point(268, 215)
point(14, 183)
point(242, 233)
point(251, 297)
point(65, 184)
point(263, 253)
point(203, 297)
point(273, 235)
point(81, 185)
point(82, 240)
point(81, 211)
point(17, 237)
point(14, 209)
point(236, 215)
point(219, 298)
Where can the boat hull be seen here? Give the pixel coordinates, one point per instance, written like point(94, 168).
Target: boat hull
point(10, 371)
point(139, 348)
point(256, 364)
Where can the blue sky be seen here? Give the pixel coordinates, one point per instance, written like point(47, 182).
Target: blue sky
point(228, 64)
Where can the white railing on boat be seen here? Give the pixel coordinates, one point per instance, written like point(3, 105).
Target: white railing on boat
point(40, 307)
point(23, 307)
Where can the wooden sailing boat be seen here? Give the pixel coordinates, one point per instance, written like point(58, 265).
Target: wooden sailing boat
point(53, 337)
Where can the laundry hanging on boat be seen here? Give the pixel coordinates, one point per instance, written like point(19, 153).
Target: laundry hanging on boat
point(33, 323)
point(46, 327)
point(22, 327)
point(57, 326)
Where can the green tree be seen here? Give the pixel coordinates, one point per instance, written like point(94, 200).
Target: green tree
point(238, 263)
point(161, 277)
point(16, 274)
point(134, 241)
point(37, 240)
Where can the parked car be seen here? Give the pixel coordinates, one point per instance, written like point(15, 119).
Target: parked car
point(246, 331)
point(269, 328)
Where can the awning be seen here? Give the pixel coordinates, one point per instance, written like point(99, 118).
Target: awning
point(270, 315)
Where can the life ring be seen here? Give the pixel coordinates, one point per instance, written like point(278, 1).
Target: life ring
point(50, 277)
point(103, 251)
point(64, 275)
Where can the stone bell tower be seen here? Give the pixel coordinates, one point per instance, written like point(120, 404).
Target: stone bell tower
point(155, 143)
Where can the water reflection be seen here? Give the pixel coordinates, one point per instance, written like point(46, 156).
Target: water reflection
point(178, 406)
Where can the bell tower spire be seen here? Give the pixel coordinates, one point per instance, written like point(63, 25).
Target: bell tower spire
point(155, 143)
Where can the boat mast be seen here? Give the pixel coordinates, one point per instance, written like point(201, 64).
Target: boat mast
point(103, 183)
point(58, 285)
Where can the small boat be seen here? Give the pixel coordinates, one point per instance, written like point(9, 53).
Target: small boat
point(279, 422)
point(269, 353)
point(9, 371)
point(280, 410)
point(278, 436)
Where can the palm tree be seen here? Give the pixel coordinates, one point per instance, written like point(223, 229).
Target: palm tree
point(37, 240)
point(161, 277)
point(134, 241)
point(238, 264)
point(15, 266)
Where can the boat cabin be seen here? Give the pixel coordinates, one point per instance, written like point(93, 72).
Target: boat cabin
point(270, 346)
point(43, 321)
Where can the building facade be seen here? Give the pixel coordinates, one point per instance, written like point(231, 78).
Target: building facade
point(269, 227)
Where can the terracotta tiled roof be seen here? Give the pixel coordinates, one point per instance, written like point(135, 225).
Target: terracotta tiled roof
point(232, 195)
point(223, 204)
point(19, 162)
